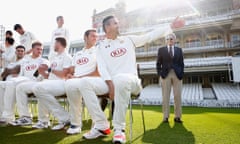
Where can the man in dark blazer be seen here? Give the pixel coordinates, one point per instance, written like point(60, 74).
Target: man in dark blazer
point(170, 67)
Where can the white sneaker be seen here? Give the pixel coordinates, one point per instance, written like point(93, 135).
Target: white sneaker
point(60, 125)
point(74, 129)
point(22, 121)
point(41, 125)
point(95, 133)
point(119, 137)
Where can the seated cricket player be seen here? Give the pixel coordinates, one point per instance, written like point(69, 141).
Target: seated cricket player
point(12, 70)
point(53, 86)
point(29, 76)
point(85, 83)
point(117, 66)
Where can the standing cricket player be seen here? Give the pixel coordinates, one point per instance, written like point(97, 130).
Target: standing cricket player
point(85, 83)
point(47, 90)
point(29, 75)
point(59, 32)
point(11, 71)
point(117, 66)
point(26, 38)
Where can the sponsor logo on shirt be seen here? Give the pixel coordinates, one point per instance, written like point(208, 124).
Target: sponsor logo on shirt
point(58, 34)
point(82, 61)
point(31, 67)
point(53, 65)
point(23, 41)
point(118, 52)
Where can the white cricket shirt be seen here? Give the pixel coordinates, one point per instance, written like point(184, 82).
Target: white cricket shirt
point(26, 40)
point(85, 61)
point(60, 62)
point(30, 66)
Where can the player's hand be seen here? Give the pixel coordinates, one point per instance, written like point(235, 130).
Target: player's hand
point(178, 23)
point(111, 89)
point(42, 68)
point(69, 76)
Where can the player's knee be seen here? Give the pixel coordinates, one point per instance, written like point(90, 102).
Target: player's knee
point(122, 82)
point(38, 89)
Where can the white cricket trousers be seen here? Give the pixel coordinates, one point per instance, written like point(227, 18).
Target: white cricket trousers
point(8, 94)
point(87, 88)
point(22, 91)
point(124, 85)
point(46, 92)
point(2, 90)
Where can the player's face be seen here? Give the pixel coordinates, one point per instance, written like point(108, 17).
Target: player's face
point(37, 51)
point(113, 26)
point(60, 22)
point(20, 31)
point(57, 46)
point(92, 38)
point(20, 52)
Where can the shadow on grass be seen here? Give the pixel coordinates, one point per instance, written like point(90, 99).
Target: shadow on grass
point(165, 134)
point(26, 135)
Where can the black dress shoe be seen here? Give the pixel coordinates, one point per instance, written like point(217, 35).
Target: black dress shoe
point(165, 120)
point(178, 120)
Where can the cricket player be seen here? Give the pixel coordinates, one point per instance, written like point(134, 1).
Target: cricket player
point(86, 83)
point(8, 54)
point(31, 72)
point(117, 66)
point(59, 32)
point(47, 90)
point(11, 71)
point(26, 38)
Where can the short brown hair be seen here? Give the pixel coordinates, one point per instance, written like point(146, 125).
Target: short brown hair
point(62, 41)
point(59, 17)
point(87, 32)
point(37, 43)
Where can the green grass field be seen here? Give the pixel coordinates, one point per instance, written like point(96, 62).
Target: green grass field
point(201, 126)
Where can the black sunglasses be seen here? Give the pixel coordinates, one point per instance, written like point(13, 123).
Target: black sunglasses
point(170, 39)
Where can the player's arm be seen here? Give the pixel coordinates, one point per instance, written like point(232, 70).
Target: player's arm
point(70, 73)
point(157, 33)
point(102, 68)
point(62, 74)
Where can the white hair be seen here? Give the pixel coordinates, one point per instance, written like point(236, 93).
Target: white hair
point(171, 35)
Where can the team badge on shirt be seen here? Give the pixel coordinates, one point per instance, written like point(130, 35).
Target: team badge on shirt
point(118, 52)
point(31, 67)
point(82, 61)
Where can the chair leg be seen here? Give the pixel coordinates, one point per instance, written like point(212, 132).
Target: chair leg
point(143, 119)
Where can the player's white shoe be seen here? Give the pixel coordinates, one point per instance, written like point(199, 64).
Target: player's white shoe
point(119, 137)
point(22, 121)
point(74, 130)
point(41, 125)
point(60, 125)
point(95, 133)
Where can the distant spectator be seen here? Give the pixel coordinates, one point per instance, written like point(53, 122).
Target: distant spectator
point(170, 68)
